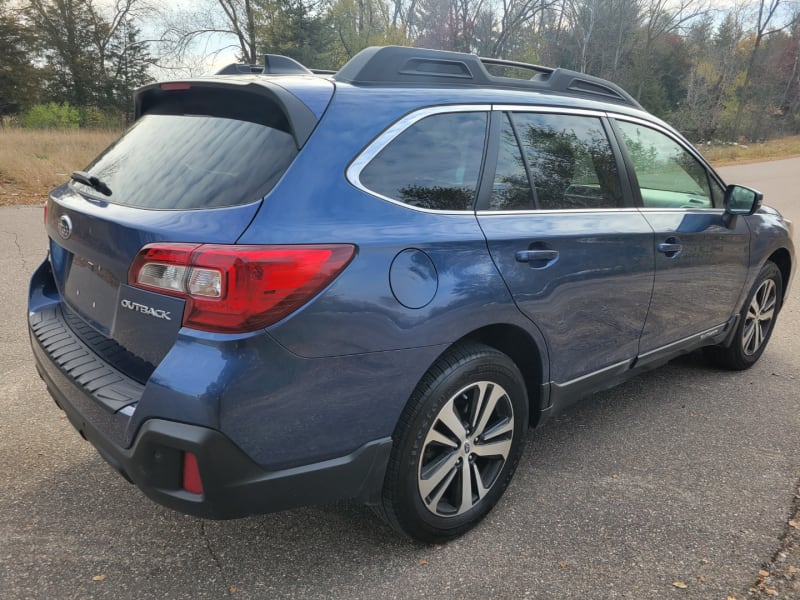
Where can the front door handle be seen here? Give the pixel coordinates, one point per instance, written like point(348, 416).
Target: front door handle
point(536, 255)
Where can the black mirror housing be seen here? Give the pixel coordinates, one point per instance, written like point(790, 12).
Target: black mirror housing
point(740, 200)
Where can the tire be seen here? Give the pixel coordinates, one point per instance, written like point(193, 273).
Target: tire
point(756, 322)
point(456, 445)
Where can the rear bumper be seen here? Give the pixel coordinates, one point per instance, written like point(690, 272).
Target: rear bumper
point(100, 403)
point(233, 485)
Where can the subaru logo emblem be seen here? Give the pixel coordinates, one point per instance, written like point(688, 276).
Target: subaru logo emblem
point(65, 227)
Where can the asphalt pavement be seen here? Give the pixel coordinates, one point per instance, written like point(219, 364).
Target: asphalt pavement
point(683, 475)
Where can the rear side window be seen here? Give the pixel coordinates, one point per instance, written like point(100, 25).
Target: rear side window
point(571, 162)
point(182, 161)
point(434, 164)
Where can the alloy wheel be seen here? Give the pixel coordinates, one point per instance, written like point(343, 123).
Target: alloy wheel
point(759, 317)
point(465, 449)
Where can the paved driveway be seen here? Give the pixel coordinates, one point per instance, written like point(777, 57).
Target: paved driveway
point(684, 474)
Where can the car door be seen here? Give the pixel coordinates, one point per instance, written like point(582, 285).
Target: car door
point(701, 254)
point(574, 252)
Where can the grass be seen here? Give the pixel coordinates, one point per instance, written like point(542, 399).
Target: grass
point(32, 162)
point(728, 154)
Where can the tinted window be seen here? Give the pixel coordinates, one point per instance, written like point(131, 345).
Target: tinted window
point(571, 162)
point(511, 189)
point(188, 162)
point(669, 176)
point(433, 164)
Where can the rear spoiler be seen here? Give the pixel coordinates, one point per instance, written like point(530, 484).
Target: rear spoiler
point(204, 97)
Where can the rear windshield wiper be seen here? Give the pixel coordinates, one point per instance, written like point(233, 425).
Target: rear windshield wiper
point(92, 181)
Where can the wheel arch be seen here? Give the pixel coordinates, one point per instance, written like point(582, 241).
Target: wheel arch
point(783, 260)
point(522, 349)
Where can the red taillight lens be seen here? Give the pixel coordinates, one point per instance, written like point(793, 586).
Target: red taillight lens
point(191, 481)
point(238, 288)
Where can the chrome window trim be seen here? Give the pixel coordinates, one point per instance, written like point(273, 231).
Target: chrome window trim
point(564, 110)
point(353, 172)
point(663, 209)
point(558, 211)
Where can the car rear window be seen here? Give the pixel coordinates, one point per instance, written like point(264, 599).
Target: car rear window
point(191, 161)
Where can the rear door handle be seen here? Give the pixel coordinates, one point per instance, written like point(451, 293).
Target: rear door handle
point(536, 255)
point(671, 247)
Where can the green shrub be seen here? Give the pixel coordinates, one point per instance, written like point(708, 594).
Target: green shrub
point(51, 116)
point(94, 118)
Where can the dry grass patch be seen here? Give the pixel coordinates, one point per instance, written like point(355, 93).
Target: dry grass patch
point(34, 161)
point(728, 154)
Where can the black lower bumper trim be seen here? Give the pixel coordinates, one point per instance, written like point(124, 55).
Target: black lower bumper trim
point(233, 485)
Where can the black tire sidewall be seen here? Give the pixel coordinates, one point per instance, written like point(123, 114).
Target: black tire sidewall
point(736, 352)
point(406, 504)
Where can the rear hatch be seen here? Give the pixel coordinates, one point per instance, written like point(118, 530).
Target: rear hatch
point(193, 168)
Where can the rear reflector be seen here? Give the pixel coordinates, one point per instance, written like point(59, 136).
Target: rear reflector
point(191, 481)
point(235, 289)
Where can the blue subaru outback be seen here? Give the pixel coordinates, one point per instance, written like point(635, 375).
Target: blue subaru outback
point(282, 287)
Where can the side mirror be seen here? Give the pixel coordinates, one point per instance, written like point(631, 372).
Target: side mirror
point(740, 200)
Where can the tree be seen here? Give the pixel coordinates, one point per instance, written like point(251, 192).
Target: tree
point(77, 43)
point(19, 79)
point(766, 12)
point(127, 69)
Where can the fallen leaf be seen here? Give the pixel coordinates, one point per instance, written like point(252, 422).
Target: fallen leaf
point(563, 564)
point(422, 561)
point(437, 546)
point(704, 561)
point(731, 598)
point(701, 578)
point(680, 584)
point(793, 523)
point(233, 589)
point(763, 573)
point(99, 578)
point(792, 569)
point(770, 592)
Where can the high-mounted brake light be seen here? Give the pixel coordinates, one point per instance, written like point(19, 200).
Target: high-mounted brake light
point(175, 85)
point(234, 289)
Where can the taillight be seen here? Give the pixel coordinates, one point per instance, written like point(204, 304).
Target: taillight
point(234, 289)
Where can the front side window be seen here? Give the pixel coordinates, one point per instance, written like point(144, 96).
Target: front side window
point(571, 162)
point(669, 176)
point(434, 164)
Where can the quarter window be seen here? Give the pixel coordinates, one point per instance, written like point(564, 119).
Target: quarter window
point(669, 176)
point(571, 162)
point(433, 164)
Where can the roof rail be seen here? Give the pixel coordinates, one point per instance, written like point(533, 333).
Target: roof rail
point(274, 64)
point(396, 65)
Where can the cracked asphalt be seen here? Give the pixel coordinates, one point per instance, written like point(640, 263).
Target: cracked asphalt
point(683, 474)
